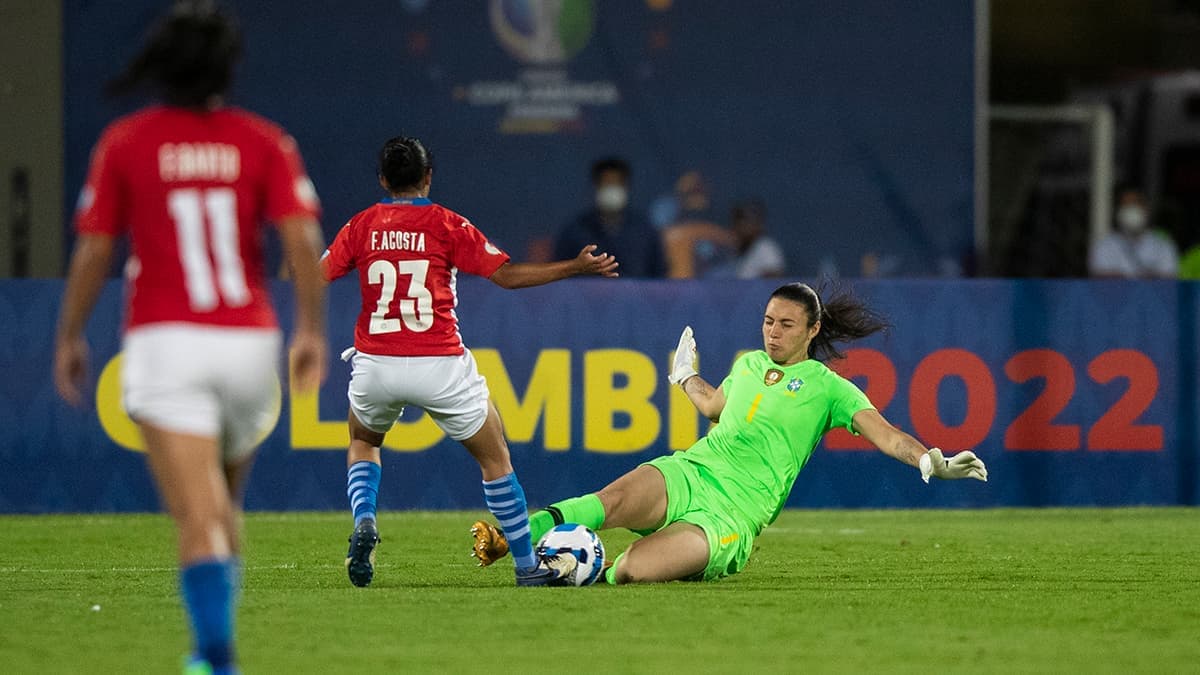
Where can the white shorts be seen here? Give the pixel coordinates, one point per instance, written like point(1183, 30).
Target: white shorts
point(206, 381)
point(449, 388)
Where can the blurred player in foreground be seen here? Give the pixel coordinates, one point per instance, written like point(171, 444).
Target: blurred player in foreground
point(193, 181)
point(701, 508)
point(408, 351)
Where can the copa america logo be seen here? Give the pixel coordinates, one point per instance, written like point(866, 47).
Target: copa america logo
point(542, 32)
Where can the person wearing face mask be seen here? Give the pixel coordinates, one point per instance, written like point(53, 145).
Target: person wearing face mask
point(1134, 250)
point(613, 226)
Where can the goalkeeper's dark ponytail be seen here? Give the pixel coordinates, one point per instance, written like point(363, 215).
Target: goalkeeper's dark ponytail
point(187, 57)
point(843, 318)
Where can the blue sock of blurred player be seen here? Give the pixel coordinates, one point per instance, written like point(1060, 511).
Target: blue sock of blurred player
point(506, 501)
point(208, 594)
point(362, 487)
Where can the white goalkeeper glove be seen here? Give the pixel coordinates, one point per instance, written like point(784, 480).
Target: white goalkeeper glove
point(684, 365)
point(963, 465)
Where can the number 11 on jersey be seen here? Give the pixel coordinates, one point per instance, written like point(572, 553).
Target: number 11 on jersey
point(190, 208)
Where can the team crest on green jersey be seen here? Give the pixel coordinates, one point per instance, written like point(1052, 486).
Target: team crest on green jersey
point(773, 376)
point(795, 384)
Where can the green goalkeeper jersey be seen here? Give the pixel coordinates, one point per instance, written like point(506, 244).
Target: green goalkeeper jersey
point(773, 418)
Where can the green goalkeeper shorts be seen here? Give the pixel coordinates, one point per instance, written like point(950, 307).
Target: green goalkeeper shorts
point(693, 497)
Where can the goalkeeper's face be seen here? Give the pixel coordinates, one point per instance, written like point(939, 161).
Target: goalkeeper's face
point(786, 333)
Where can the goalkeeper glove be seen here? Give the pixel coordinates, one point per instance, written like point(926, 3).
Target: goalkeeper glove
point(963, 465)
point(684, 365)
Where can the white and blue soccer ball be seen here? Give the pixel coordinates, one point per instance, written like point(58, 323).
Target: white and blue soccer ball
point(580, 543)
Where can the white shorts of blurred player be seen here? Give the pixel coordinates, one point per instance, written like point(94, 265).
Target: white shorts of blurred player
point(215, 382)
point(449, 388)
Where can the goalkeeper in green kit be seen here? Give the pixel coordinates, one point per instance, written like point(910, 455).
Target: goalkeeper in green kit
point(701, 508)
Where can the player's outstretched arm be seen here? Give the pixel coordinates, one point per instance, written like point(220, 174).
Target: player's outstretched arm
point(709, 401)
point(524, 275)
point(902, 446)
point(89, 265)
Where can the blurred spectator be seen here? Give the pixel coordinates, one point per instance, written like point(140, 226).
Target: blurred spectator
point(1134, 250)
point(688, 200)
point(693, 243)
point(739, 251)
point(757, 255)
point(613, 226)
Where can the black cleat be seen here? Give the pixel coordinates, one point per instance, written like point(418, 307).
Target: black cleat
point(360, 559)
point(550, 571)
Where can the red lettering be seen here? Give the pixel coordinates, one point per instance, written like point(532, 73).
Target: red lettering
point(980, 404)
point(880, 375)
point(1034, 429)
point(1115, 430)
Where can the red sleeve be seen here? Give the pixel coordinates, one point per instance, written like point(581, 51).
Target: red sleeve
point(472, 252)
point(289, 190)
point(101, 205)
point(339, 257)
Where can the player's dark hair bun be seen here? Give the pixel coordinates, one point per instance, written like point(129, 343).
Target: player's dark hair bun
point(403, 163)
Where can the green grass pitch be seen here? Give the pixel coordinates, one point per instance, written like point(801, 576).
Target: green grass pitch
point(1001, 591)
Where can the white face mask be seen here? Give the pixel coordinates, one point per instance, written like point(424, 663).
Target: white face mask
point(1131, 218)
point(611, 198)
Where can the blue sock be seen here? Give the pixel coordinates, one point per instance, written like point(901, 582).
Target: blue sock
point(208, 590)
point(362, 487)
point(506, 501)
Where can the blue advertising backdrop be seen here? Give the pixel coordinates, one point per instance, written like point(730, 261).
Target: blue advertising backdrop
point(1075, 393)
point(847, 118)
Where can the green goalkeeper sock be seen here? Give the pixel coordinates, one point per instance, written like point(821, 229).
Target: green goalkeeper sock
point(586, 510)
point(610, 574)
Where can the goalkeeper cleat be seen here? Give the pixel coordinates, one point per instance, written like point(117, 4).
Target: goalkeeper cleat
point(194, 665)
point(548, 570)
point(490, 544)
point(360, 559)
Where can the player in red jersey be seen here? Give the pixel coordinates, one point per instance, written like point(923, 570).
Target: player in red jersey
point(407, 251)
point(192, 182)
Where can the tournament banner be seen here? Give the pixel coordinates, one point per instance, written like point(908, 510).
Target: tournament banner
point(837, 114)
point(1073, 392)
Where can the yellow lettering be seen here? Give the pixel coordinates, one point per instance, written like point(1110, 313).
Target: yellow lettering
point(549, 391)
point(684, 428)
point(113, 419)
point(602, 398)
point(124, 431)
point(684, 431)
point(420, 434)
point(546, 400)
point(309, 432)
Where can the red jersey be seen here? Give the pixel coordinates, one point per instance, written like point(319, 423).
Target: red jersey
point(408, 252)
point(193, 188)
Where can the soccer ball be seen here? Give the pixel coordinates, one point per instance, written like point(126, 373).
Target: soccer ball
point(579, 542)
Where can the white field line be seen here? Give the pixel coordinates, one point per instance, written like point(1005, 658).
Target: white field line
point(813, 530)
point(159, 570)
point(124, 570)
